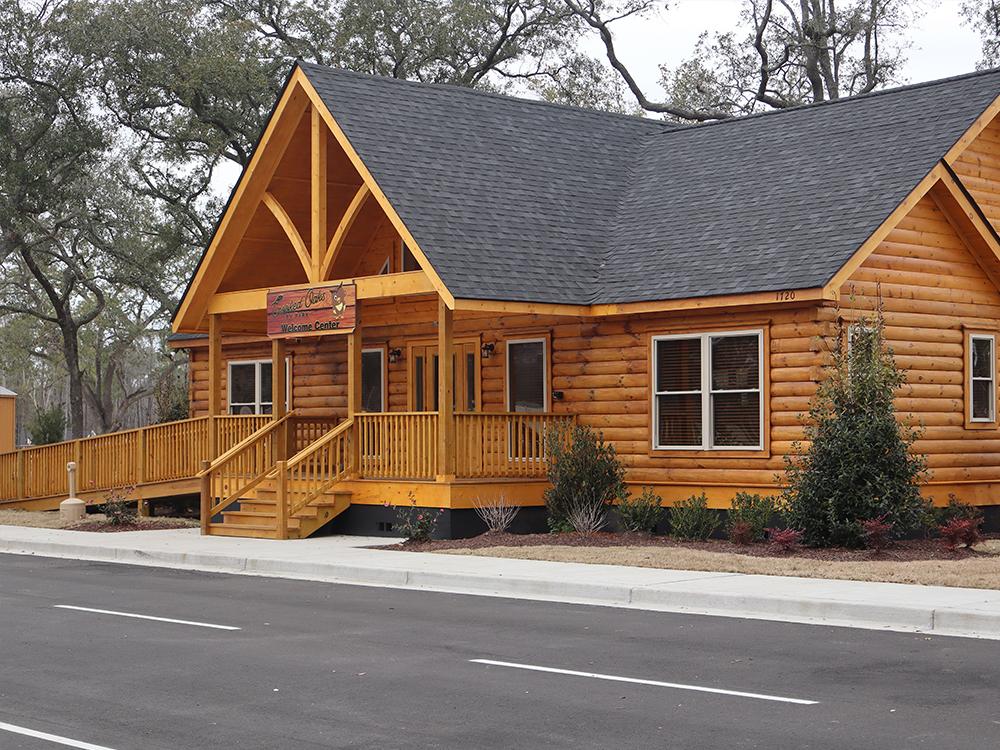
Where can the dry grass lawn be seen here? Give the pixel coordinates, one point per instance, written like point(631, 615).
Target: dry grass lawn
point(972, 572)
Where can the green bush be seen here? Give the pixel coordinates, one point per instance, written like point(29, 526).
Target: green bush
point(47, 426)
point(416, 524)
point(118, 508)
point(956, 510)
point(858, 465)
point(693, 519)
point(751, 514)
point(642, 513)
point(585, 474)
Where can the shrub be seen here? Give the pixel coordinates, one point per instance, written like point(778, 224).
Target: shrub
point(585, 474)
point(587, 518)
point(877, 533)
point(960, 532)
point(497, 514)
point(752, 513)
point(785, 540)
point(416, 524)
point(47, 426)
point(642, 513)
point(117, 507)
point(956, 510)
point(693, 519)
point(858, 465)
point(741, 532)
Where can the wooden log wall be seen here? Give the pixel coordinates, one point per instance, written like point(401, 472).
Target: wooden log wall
point(978, 166)
point(600, 365)
point(933, 293)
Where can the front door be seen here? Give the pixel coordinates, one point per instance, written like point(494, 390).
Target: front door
point(424, 377)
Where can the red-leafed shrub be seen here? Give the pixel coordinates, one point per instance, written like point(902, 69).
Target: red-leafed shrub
point(741, 532)
point(877, 533)
point(960, 532)
point(785, 540)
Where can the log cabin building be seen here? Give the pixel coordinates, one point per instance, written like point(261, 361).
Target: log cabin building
point(411, 283)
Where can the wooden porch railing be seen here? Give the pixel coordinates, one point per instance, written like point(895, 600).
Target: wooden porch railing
point(397, 445)
point(158, 453)
point(509, 444)
point(244, 466)
point(312, 471)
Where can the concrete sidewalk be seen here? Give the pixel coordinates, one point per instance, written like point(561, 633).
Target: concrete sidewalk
point(340, 559)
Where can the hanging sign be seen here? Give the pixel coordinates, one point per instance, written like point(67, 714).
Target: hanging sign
point(312, 311)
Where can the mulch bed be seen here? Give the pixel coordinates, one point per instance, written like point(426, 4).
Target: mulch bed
point(905, 550)
point(104, 526)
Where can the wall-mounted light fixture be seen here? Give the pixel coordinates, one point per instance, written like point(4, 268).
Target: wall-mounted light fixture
point(558, 395)
point(395, 355)
point(487, 349)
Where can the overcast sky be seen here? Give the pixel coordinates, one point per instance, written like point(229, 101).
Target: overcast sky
point(942, 46)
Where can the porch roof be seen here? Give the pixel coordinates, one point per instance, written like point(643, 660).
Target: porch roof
point(520, 200)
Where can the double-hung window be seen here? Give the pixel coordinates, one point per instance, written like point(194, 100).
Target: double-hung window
point(707, 391)
point(250, 387)
point(982, 378)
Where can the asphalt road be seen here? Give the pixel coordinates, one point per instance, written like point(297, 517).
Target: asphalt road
point(316, 665)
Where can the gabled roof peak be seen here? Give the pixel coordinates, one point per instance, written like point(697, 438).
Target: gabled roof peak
point(465, 90)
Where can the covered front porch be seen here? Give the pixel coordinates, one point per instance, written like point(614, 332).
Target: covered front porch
point(417, 424)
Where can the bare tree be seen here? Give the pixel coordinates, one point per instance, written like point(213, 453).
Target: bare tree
point(791, 53)
point(984, 17)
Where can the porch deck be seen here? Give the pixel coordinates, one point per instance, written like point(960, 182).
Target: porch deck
point(284, 476)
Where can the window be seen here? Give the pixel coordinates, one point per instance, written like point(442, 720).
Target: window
point(373, 380)
point(527, 384)
point(982, 378)
point(384, 269)
point(707, 391)
point(250, 386)
point(409, 260)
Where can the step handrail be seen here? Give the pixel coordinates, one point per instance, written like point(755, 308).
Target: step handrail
point(252, 437)
point(213, 474)
point(314, 469)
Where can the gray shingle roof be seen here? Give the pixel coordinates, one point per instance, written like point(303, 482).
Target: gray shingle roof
point(520, 200)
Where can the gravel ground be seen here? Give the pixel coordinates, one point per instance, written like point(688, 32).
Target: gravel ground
point(49, 519)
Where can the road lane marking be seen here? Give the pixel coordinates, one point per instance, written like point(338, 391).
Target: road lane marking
point(65, 741)
point(144, 617)
point(638, 681)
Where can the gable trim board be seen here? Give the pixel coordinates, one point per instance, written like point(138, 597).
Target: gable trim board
point(301, 83)
point(252, 189)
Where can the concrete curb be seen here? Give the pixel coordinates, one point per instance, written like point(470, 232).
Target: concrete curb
point(667, 597)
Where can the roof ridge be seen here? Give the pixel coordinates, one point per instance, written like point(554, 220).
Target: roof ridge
point(842, 100)
point(662, 124)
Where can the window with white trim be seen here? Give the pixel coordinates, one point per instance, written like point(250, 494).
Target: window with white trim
point(373, 380)
point(527, 370)
point(982, 378)
point(707, 391)
point(249, 390)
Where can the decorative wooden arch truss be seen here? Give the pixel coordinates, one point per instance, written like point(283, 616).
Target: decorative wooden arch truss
point(318, 252)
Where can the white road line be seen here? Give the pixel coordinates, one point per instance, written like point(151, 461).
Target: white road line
point(145, 617)
point(66, 741)
point(637, 681)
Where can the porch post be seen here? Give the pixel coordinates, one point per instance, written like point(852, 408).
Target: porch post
point(354, 393)
point(279, 386)
point(353, 372)
point(446, 390)
point(278, 393)
point(214, 380)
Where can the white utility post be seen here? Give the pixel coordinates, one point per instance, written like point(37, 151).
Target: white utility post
point(72, 508)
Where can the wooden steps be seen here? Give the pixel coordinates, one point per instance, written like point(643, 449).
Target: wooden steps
point(257, 516)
